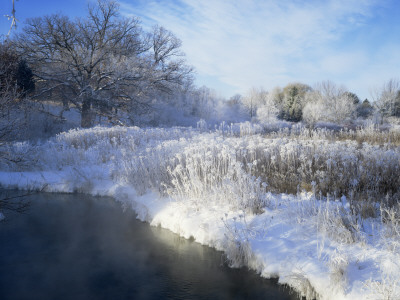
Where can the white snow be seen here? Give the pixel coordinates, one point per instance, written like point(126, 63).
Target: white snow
point(191, 183)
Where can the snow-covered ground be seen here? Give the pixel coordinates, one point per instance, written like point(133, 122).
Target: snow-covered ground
point(202, 184)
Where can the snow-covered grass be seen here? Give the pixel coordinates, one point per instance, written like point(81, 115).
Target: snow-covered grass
point(317, 208)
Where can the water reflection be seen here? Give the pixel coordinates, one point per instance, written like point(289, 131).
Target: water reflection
point(81, 247)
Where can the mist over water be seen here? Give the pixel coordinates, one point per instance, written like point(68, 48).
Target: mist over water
point(72, 246)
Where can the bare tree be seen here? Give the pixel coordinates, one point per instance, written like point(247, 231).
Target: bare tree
point(104, 63)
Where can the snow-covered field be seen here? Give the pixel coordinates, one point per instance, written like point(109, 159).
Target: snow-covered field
point(304, 207)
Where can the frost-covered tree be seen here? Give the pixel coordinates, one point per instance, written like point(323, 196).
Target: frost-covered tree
point(353, 96)
point(338, 102)
point(254, 98)
point(329, 103)
point(387, 98)
point(314, 110)
point(235, 101)
point(291, 100)
point(267, 112)
point(365, 109)
point(103, 63)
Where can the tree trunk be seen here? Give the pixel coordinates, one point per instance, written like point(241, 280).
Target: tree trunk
point(86, 113)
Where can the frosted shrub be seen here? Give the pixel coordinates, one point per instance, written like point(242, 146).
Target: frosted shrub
point(148, 168)
point(210, 174)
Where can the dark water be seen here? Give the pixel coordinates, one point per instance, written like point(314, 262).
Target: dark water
point(82, 247)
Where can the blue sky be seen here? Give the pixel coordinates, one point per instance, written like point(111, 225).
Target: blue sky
point(235, 45)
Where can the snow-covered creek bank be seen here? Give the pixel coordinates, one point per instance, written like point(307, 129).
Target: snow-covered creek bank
point(201, 186)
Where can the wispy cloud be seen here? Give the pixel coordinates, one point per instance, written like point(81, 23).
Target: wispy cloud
point(239, 44)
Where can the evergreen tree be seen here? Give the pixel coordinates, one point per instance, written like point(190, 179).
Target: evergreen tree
point(291, 101)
